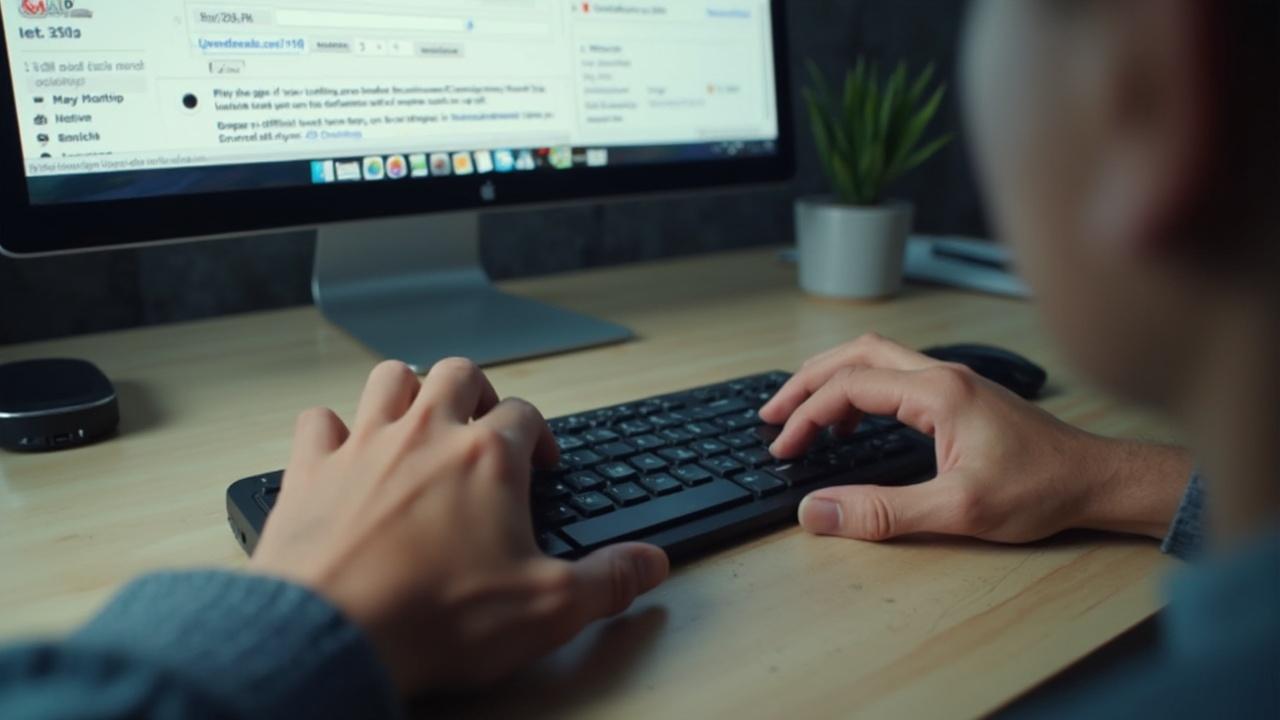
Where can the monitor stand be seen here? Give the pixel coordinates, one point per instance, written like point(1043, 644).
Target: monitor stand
point(412, 289)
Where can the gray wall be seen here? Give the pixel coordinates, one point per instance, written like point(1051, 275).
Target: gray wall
point(62, 296)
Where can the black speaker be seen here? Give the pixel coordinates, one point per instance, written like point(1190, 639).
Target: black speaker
point(55, 404)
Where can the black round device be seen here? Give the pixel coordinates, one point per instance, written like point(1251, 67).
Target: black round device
point(55, 404)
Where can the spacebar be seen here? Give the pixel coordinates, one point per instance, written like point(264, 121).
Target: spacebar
point(651, 515)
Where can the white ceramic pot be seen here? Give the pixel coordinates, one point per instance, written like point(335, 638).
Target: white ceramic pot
point(851, 252)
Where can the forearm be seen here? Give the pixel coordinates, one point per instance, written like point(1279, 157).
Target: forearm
point(1134, 487)
point(202, 644)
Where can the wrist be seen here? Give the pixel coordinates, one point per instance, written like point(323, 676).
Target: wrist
point(1133, 487)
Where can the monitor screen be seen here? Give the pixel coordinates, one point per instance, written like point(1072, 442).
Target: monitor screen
point(118, 101)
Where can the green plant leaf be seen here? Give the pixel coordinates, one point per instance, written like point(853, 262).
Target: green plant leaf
point(846, 184)
point(920, 85)
point(915, 131)
point(871, 134)
point(892, 101)
point(920, 156)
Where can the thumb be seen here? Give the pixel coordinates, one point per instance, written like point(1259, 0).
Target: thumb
point(609, 579)
point(873, 512)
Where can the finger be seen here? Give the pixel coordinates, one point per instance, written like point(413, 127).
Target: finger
point(910, 396)
point(458, 388)
point(387, 395)
point(525, 429)
point(607, 581)
point(318, 432)
point(870, 512)
point(868, 351)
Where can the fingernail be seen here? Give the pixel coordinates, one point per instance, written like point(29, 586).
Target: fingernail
point(820, 516)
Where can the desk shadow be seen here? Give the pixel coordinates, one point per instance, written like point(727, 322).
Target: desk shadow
point(139, 409)
point(1064, 539)
point(586, 669)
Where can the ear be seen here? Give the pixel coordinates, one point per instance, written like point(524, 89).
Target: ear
point(1155, 88)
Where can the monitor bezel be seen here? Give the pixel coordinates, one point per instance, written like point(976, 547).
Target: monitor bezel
point(31, 230)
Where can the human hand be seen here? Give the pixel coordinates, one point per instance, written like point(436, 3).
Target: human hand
point(416, 523)
point(1007, 470)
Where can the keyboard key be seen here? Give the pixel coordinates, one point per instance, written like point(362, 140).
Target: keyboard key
point(801, 474)
point(583, 481)
point(728, 406)
point(616, 471)
point(692, 475)
point(624, 412)
point(547, 476)
point(679, 455)
point(661, 484)
point(597, 436)
point(615, 450)
point(650, 516)
point(627, 494)
point(741, 421)
point(580, 458)
point(550, 490)
point(894, 444)
point(701, 429)
point(569, 443)
point(865, 453)
point(700, 414)
point(723, 466)
point(552, 545)
point(762, 484)
point(675, 435)
point(556, 515)
point(647, 442)
point(635, 427)
point(740, 441)
point(648, 463)
point(709, 448)
point(754, 457)
point(667, 419)
point(591, 504)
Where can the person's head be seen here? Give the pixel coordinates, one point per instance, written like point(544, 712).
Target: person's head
point(1127, 151)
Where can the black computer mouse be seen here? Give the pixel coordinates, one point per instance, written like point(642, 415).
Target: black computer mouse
point(999, 366)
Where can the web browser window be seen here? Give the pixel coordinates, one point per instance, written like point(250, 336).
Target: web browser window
point(152, 97)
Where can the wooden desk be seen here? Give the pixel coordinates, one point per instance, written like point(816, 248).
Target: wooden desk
point(786, 624)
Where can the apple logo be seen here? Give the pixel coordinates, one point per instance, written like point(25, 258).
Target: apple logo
point(488, 192)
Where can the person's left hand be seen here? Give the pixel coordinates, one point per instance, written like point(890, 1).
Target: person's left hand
point(416, 522)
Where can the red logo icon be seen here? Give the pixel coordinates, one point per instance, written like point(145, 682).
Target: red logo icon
point(34, 8)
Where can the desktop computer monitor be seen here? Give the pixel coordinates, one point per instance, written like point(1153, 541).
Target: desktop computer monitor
point(385, 124)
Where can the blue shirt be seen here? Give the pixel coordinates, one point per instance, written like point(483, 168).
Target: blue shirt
point(216, 644)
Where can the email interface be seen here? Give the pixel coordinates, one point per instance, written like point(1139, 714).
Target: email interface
point(152, 97)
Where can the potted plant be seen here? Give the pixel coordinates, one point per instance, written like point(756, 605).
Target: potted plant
point(851, 244)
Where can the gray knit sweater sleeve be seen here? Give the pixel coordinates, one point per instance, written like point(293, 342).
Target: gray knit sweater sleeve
point(1186, 534)
point(206, 644)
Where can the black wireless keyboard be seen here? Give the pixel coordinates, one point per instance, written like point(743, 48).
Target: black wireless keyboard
point(686, 471)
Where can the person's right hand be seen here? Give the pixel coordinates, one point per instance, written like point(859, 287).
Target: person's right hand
point(416, 523)
point(1007, 470)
